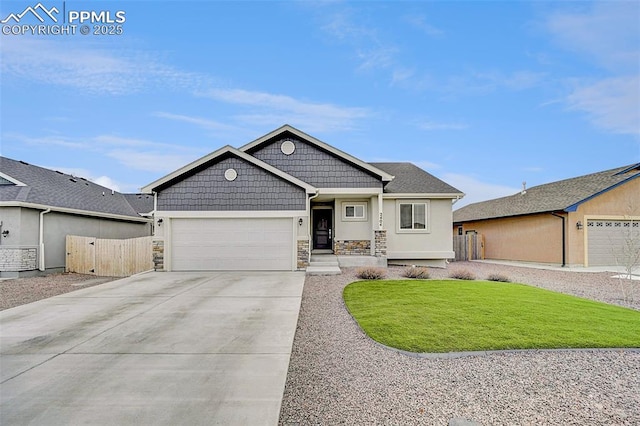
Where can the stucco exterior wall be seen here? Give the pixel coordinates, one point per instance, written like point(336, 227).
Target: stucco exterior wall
point(24, 224)
point(346, 229)
point(58, 225)
point(532, 238)
point(619, 203)
point(409, 247)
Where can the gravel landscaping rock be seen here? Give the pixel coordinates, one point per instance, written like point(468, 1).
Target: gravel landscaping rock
point(20, 291)
point(337, 375)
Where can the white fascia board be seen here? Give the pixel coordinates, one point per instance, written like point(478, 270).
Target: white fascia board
point(386, 177)
point(12, 180)
point(349, 191)
point(74, 211)
point(228, 149)
point(235, 214)
point(391, 196)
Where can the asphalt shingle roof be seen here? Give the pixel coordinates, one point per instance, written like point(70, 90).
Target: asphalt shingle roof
point(555, 196)
point(410, 178)
point(142, 203)
point(55, 189)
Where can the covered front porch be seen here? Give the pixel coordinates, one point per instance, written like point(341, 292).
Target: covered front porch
point(348, 226)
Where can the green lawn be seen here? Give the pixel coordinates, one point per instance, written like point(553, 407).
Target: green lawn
point(452, 315)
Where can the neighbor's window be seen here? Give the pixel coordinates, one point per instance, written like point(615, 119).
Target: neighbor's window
point(354, 211)
point(413, 216)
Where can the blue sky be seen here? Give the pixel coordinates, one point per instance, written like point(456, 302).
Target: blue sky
point(484, 95)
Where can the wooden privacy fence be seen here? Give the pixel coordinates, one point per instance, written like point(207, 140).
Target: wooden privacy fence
point(468, 246)
point(108, 258)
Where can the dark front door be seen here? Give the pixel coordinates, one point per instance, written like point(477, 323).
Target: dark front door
point(322, 229)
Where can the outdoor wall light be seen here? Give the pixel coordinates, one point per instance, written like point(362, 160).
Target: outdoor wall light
point(5, 233)
point(160, 221)
point(300, 222)
point(579, 225)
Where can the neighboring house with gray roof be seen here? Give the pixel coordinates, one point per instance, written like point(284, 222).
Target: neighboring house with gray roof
point(39, 207)
point(586, 220)
point(275, 201)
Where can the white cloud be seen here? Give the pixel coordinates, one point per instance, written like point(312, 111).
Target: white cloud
point(606, 31)
point(440, 125)
point(612, 104)
point(138, 154)
point(476, 190)
point(370, 49)
point(151, 161)
point(607, 34)
point(105, 181)
point(271, 109)
point(420, 22)
point(198, 121)
point(89, 67)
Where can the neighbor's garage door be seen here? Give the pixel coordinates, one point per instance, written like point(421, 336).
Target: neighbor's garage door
point(606, 241)
point(231, 244)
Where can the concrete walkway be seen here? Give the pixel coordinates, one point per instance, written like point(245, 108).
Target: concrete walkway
point(158, 348)
point(557, 267)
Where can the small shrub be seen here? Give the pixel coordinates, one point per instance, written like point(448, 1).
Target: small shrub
point(498, 277)
point(462, 274)
point(419, 272)
point(371, 273)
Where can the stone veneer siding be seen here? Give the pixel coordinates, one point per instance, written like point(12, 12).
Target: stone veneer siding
point(15, 259)
point(158, 255)
point(352, 247)
point(303, 254)
point(380, 243)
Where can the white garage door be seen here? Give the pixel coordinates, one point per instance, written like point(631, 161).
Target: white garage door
point(231, 244)
point(609, 240)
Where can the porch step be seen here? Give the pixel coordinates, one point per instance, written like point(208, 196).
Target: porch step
point(323, 264)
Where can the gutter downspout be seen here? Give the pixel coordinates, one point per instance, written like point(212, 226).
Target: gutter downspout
point(41, 265)
point(309, 212)
point(564, 238)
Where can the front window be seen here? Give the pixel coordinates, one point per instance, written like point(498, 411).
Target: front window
point(413, 216)
point(354, 211)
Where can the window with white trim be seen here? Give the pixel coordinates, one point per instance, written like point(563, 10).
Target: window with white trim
point(413, 217)
point(354, 211)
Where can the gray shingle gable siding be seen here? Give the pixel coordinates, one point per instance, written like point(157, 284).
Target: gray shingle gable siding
point(314, 166)
point(253, 189)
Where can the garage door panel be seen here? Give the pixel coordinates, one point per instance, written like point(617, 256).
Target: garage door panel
point(608, 241)
point(232, 244)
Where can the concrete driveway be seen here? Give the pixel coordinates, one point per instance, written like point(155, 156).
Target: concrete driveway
point(157, 348)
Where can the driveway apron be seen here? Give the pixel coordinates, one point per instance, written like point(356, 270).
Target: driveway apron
point(157, 348)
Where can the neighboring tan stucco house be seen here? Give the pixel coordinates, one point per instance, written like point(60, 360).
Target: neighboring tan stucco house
point(582, 221)
point(40, 207)
point(276, 200)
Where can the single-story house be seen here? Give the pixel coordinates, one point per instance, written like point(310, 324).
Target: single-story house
point(271, 203)
point(582, 221)
point(40, 207)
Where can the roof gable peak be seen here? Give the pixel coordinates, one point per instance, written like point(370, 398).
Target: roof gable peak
point(251, 146)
